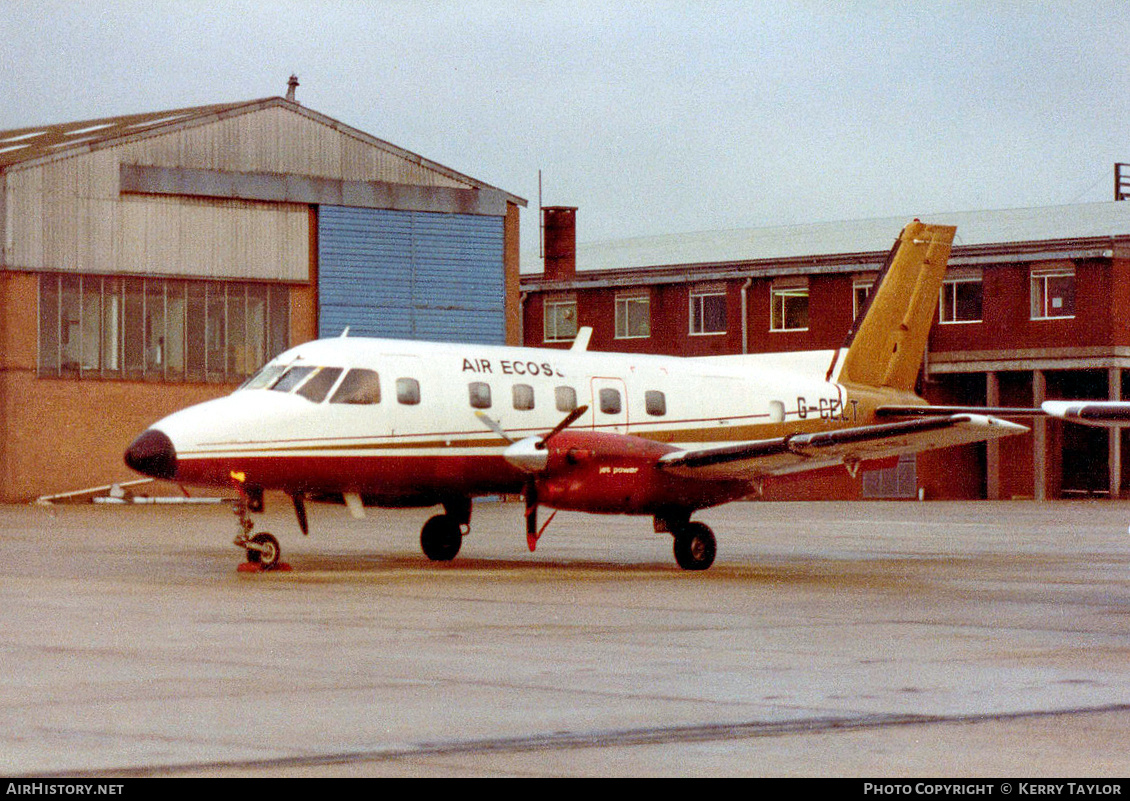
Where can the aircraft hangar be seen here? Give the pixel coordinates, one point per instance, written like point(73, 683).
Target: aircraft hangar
point(154, 260)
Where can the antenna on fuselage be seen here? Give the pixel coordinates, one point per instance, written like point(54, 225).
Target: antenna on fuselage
point(345, 332)
point(581, 342)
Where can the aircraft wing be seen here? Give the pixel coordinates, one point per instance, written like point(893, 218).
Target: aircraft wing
point(800, 452)
point(1087, 412)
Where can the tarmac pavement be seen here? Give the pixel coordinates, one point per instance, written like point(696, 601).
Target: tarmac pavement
point(829, 639)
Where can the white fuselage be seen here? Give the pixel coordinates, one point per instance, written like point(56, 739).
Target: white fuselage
point(424, 436)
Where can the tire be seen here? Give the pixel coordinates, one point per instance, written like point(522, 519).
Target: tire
point(268, 558)
point(440, 538)
point(695, 546)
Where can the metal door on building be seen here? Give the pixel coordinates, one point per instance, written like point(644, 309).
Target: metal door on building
point(411, 275)
point(900, 481)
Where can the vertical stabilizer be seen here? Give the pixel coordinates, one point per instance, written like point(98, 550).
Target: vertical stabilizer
point(888, 342)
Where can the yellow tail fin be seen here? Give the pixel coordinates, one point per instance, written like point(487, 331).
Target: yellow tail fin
point(888, 341)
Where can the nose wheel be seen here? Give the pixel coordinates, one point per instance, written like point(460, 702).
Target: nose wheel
point(263, 550)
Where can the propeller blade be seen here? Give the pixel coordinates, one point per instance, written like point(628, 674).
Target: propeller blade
point(493, 425)
point(568, 421)
point(300, 512)
point(531, 514)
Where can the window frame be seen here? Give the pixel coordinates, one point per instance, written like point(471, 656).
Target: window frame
point(948, 301)
point(866, 285)
point(696, 310)
point(779, 314)
point(142, 328)
point(551, 321)
point(623, 322)
point(1040, 276)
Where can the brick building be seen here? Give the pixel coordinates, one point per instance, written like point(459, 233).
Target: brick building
point(1034, 307)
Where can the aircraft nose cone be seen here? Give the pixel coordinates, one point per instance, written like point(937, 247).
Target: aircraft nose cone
point(153, 454)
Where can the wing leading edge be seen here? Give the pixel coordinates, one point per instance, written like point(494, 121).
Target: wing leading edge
point(800, 452)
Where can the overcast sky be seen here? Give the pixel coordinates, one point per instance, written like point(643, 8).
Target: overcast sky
point(651, 117)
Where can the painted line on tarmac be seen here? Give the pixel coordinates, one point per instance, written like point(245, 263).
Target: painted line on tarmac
point(618, 738)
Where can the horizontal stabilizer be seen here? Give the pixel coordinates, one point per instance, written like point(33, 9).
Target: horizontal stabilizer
point(1090, 413)
point(800, 452)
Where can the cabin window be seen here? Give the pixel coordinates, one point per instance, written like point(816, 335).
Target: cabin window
point(610, 401)
point(655, 403)
point(359, 387)
point(408, 391)
point(318, 385)
point(292, 378)
point(960, 298)
point(159, 328)
point(479, 394)
point(265, 377)
point(633, 316)
point(1053, 292)
point(789, 310)
point(565, 398)
point(523, 396)
point(560, 319)
point(708, 310)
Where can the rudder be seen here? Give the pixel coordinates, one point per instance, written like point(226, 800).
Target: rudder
point(888, 341)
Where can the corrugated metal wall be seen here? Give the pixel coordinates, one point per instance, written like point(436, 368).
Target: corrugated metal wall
point(69, 215)
point(411, 275)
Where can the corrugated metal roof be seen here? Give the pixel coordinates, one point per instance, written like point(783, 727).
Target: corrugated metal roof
point(980, 228)
point(45, 142)
point(41, 141)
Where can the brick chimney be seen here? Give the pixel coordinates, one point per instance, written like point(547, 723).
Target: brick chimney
point(560, 232)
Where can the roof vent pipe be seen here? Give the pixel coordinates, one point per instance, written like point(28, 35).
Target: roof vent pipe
point(291, 85)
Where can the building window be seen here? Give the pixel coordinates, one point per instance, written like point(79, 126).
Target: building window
point(861, 290)
point(789, 310)
point(708, 310)
point(960, 298)
point(633, 316)
point(560, 319)
point(1053, 292)
point(159, 328)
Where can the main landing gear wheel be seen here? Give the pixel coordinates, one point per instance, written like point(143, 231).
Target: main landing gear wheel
point(695, 546)
point(263, 550)
point(440, 538)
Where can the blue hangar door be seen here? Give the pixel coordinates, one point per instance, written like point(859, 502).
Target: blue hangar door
point(410, 275)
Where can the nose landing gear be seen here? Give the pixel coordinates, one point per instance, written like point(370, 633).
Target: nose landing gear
point(263, 551)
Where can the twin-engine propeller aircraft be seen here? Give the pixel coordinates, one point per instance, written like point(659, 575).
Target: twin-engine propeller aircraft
point(396, 423)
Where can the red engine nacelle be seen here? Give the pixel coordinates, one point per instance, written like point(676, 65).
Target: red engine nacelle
point(591, 471)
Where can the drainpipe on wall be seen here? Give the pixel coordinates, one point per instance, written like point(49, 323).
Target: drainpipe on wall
point(745, 315)
point(522, 318)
